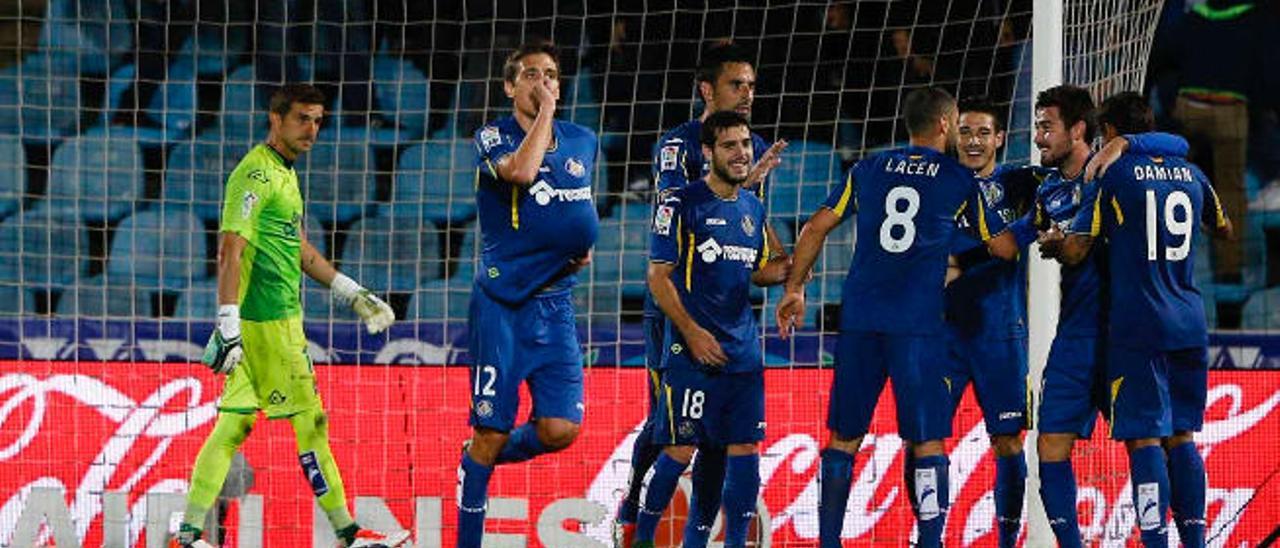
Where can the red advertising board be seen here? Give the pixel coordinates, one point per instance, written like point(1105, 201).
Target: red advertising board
point(91, 428)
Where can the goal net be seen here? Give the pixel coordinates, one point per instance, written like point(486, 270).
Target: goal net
point(121, 119)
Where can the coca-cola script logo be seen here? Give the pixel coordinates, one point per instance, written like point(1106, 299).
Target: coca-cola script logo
point(92, 428)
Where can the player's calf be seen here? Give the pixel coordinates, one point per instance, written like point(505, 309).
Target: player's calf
point(741, 488)
point(1011, 481)
point(834, 481)
point(662, 485)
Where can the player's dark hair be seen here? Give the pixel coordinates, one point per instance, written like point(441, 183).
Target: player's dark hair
point(923, 107)
point(1074, 105)
point(984, 105)
point(1128, 112)
point(720, 121)
point(283, 98)
point(511, 68)
point(716, 56)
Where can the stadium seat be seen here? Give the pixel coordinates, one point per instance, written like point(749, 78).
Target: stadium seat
point(387, 255)
point(337, 180)
point(196, 176)
point(316, 234)
point(621, 255)
point(442, 300)
point(39, 248)
point(436, 181)
point(199, 301)
point(468, 255)
point(49, 94)
point(173, 106)
point(13, 175)
point(14, 299)
point(1262, 310)
point(10, 109)
point(833, 263)
point(163, 249)
point(244, 114)
point(317, 304)
point(403, 93)
point(93, 297)
point(99, 178)
point(89, 33)
point(804, 178)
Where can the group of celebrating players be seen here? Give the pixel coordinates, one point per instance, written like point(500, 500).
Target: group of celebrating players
point(942, 235)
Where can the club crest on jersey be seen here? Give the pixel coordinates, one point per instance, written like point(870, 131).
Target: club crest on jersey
point(991, 192)
point(1077, 194)
point(484, 408)
point(748, 226)
point(575, 167)
point(259, 176)
point(668, 158)
point(490, 137)
point(686, 429)
point(662, 220)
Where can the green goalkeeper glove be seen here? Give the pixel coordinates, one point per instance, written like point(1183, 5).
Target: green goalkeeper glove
point(223, 352)
point(377, 315)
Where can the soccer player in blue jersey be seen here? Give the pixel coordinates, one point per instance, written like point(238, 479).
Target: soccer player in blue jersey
point(538, 224)
point(708, 248)
point(907, 200)
point(726, 82)
point(1147, 208)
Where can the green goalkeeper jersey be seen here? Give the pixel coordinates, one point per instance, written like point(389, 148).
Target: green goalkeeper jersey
point(264, 206)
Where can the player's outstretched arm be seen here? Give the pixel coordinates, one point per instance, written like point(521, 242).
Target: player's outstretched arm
point(790, 311)
point(702, 344)
point(223, 351)
point(375, 313)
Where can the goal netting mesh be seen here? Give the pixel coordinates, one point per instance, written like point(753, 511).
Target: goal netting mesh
point(121, 119)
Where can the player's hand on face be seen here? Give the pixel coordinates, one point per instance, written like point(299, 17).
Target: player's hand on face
point(1098, 164)
point(542, 96)
point(790, 313)
point(1051, 243)
point(769, 160)
point(705, 348)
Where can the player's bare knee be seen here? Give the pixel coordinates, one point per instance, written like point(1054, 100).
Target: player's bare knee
point(849, 445)
point(557, 434)
point(1054, 447)
point(1134, 445)
point(742, 449)
point(679, 453)
point(1178, 438)
point(928, 448)
point(1006, 445)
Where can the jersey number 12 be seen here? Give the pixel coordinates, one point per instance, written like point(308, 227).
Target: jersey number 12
point(1179, 227)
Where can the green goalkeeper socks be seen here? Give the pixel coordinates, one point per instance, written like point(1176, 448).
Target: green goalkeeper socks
point(311, 429)
point(212, 464)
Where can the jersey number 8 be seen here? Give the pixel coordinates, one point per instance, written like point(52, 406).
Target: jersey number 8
point(905, 218)
point(1180, 227)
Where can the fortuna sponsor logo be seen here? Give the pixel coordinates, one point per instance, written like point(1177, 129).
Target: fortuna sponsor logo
point(1145, 172)
point(712, 251)
point(543, 193)
point(909, 167)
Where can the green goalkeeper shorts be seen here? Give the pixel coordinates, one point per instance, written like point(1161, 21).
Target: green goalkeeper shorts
point(276, 375)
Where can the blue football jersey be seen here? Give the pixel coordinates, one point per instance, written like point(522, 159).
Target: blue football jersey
point(530, 234)
point(715, 245)
point(989, 299)
point(1083, 286)
point(908, 201)
point(678, 161)
point(1147, 207)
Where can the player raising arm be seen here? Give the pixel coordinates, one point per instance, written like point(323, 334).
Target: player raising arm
point(258, 342)
point(1157, 361)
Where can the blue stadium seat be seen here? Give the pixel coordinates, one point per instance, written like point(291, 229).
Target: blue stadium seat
point(436, 181)
point(158, 249)
point(244, 114)
point(49, 92)
point(833, 263)
point(316, 234)
point(90, 33)
point(442, 300)
point(468, 254)
point(39, 248)
point(403, 93)
point(804, 178)
point(196, 174)
point(317, 304)
point(199, 301)
point(13, 175)
point(390, 255)
point(10, 111)
point(173, 105)
point(1262, 310)
point(15, 299)
point(584, 107)
point(621, 255)
point(94, 297)
point(337, 180)
point(97, 178)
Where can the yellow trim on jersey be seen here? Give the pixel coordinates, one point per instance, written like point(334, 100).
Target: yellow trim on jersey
point(844, 196)
point(492, 170)
point(688, 265)
point(983, 230)
point(1095, 227)
point(657, 382)
point(764, 256)
point(1030, 419)
point(1115, 205)
point(1220, 218)
point(960, 211)
point(671, 418)
point(1115, 392)
point(515, 207)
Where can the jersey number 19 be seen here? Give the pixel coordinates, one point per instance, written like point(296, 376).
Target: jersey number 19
point(1179, 227)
